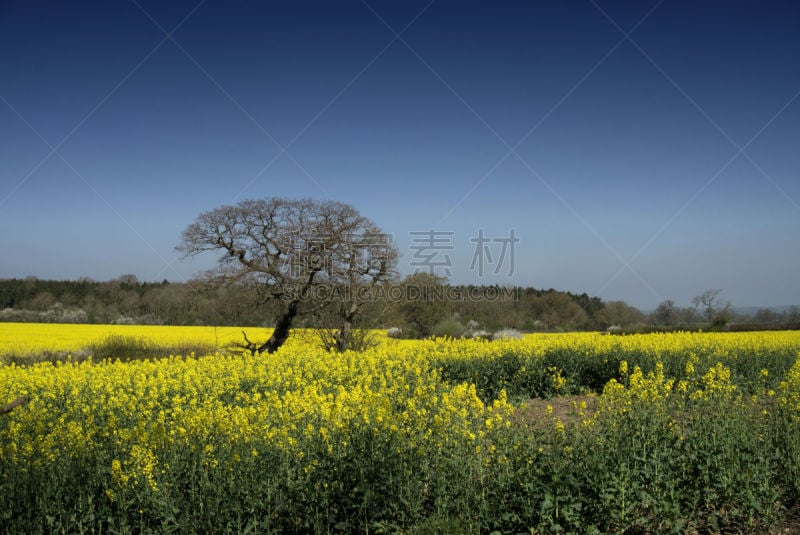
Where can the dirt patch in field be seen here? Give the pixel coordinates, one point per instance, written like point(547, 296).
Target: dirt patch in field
point(568, 409)
point(791, 524)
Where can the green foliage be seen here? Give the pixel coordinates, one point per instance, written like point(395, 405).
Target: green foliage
point(134, 348)
point(559, 371)
point(451, 328)
point(424, 301)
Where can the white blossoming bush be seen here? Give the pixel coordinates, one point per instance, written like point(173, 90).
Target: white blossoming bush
point(507, 334)
point(394, 332)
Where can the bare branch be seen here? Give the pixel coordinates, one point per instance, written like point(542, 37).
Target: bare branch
point(5, 409)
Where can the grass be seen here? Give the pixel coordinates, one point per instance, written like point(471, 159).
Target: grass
point(128, 348)
point(113, 347)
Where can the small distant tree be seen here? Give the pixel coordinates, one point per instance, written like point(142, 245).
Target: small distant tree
point(765, 315)
point(127, 280)
point(715, 310)
point(42, 301)
point(557, 310)
point(687, 315)
point(665, 313)
point(288, 249)
point(619, 313)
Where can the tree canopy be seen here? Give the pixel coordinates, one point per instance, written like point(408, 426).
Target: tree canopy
point(291, 248)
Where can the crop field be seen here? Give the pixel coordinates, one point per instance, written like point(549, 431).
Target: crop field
point(658, 433)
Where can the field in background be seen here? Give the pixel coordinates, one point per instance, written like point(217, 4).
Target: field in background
point(59, 339)
point(667, 433)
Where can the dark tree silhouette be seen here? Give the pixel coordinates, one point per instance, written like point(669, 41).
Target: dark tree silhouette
point(292, 248)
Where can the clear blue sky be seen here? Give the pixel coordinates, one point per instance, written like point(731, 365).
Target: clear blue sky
point(640, 150)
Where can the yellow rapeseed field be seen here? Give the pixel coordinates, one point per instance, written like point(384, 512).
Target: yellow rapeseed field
point(305, 440)
point(32, 338)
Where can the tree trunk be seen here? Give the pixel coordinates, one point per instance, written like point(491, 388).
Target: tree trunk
point(282, 328)
point(342, 336)
point(284, 324)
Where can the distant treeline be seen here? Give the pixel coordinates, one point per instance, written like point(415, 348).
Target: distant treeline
point(420, 304)
point(417, 301)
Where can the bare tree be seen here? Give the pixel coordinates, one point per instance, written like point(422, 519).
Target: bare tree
point(295, 251)
point(358, 336)
point(715, 309)
point(666, 313)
